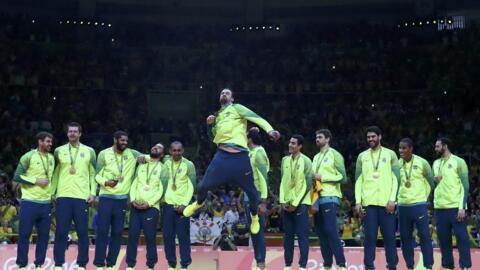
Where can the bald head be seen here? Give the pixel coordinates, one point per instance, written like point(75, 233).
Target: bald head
point(157, 151)
point(226, 97)
point(176, 150)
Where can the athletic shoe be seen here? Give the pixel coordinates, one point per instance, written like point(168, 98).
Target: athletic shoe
point(258, 268)
point(255, 226)
point(190, 209)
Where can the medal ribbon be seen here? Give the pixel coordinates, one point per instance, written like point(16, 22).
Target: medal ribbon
point(149, 175)
point(321, 160)
point(293, 167)
point(442, 164)
point(375, 165)
point(45, 167)
point(119, 164)
point(408, 175)
point(174, 176)
point(73, 159)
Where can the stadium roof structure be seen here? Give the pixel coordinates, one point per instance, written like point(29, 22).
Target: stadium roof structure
point(240, 11)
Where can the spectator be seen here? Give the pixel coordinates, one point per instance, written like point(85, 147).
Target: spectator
point(203, 214)
point(224, 241)
point(231, 216)
point(241, 231)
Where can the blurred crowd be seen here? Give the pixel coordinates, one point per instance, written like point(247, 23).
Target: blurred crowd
point(420, 84)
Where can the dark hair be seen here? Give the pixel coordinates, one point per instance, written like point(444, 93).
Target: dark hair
point(445, 141)
point(119, 133)
point(407, 141)
point(254, 135)
point(374, 129)
point(227, 88)
point(325, 132)
point(42, 135)
point(75, 124)
point(299, 138)
point(176, 142)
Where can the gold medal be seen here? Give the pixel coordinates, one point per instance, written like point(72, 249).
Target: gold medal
point(174, 187)
point(376, 174)
point(146, 187)
point(72, 170)
point(408, 184)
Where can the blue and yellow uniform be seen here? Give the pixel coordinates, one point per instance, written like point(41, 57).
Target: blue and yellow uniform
point(450, 196)
point(112, 165)
point(329, 164)
point(146, 188)
point(229, 130)
point(294, 189)
point(260, 166)
point(35, 208)
point(416, 183)
point(377, 174)
point(73, 182)
point(179, 177)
